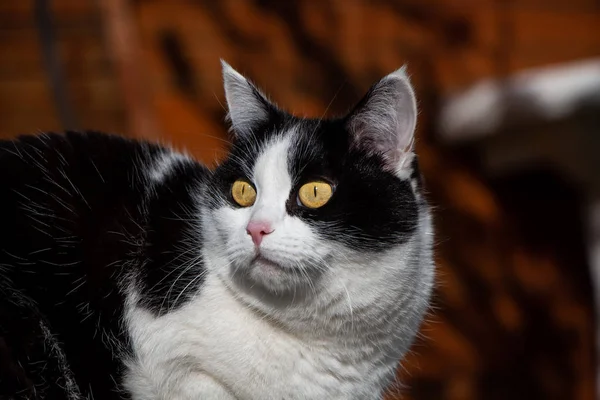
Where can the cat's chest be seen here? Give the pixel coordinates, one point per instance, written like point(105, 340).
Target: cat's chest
point(218, 337)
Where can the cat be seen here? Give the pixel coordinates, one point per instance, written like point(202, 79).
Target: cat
point(300, 268)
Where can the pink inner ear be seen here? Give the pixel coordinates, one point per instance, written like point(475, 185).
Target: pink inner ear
point(385, 122)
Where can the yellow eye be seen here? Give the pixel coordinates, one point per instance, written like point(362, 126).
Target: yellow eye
point(243, 193)
point(315, 194)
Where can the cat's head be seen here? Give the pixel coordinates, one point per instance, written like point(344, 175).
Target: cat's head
point(308, 205)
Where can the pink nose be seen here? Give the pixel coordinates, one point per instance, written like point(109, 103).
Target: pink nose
point(258, 229)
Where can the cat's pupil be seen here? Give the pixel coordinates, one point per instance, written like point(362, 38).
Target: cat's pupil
point(243, 189)
point(315, 189)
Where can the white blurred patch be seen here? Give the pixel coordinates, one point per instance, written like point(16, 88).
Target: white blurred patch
point(548, 93)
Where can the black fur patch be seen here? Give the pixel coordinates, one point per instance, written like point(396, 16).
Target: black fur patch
point(174, 269)
point(79, 223)
point(370, 208)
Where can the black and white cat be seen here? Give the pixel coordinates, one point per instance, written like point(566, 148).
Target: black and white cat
point(300, 268)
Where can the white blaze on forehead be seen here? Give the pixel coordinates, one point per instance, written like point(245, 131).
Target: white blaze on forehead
point(273, 181)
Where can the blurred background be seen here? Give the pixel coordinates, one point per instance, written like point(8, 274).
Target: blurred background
point(509, 143)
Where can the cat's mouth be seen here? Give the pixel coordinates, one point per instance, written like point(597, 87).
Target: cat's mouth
point(265, 262)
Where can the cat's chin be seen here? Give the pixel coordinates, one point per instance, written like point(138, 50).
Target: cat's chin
point(272, 275)
point(267, 266)
point(262, 275)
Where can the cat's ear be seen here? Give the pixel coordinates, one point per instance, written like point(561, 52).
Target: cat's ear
point(384, 121)
point(247, 107)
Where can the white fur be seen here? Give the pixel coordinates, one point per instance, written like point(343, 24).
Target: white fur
point(164, 165)
point(273, 184)
point(70, 386)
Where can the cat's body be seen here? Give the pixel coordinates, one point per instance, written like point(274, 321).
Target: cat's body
point(129, 271)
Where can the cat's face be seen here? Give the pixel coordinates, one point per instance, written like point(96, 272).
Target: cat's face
point(298, 200)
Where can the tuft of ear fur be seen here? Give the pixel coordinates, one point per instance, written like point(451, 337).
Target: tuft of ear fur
point(248, 107)
point(384, 121)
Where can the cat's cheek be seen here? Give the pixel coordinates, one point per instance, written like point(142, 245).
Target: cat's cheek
point(307, 242)
point(231, 223)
